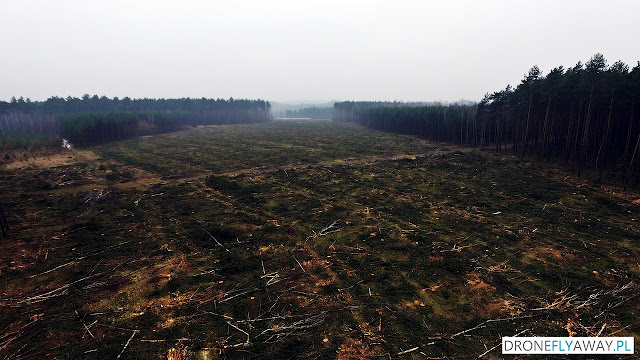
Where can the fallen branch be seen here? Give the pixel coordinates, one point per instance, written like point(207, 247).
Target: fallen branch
point(81, 258)
point(163, 340)
point(296, 327)
point(564, 301)
point(457, 248)
point(324, 232)
point(127, 344)
point(205, 272)
point(242, 331)
point(408, 351)
point(294, 257)
point(85, 326)
point(500, 343)
point(54, 292)
point(216, 240)
point(239, 294)
point(483, 324)
point(281, 317)
point(273, 278)
point(94, 196)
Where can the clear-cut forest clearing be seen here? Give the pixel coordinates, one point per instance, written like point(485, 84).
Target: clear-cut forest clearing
point(311, 239)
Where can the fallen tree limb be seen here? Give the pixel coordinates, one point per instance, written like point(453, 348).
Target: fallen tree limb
point(127, 344)
point(329, 229)
point(483, 324)
point(500, 343)
point(408, 351)
point(216, 240)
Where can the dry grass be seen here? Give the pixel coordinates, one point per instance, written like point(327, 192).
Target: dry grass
point(46, 159)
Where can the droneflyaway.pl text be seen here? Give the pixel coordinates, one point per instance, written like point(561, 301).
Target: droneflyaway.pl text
point(567, 345)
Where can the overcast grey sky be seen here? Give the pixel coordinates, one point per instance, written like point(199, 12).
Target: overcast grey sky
point(301, 50)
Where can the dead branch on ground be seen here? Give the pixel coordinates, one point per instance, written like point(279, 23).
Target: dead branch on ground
point(574, 302)
point(216, 240)
point(127, 344)
point(278, 333)
point(329, 229)
point(499, 344)
point(93, 197)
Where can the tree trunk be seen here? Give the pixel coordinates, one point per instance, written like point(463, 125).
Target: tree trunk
point(585, 135)
point(629, 131)
point(545, 129)
point(601, 151)
point(526, 129)
point(633, 159)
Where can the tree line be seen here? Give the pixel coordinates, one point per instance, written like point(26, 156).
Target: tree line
point(311, 112)
point(103, 104)
point(433, 121)
point(586, 116)
point(93, 120)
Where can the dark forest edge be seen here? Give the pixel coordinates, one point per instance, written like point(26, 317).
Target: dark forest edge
point(311, 113)
point(95, 120)
point(585, 116)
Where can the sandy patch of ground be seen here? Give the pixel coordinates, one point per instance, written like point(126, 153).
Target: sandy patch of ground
point(43, 160)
